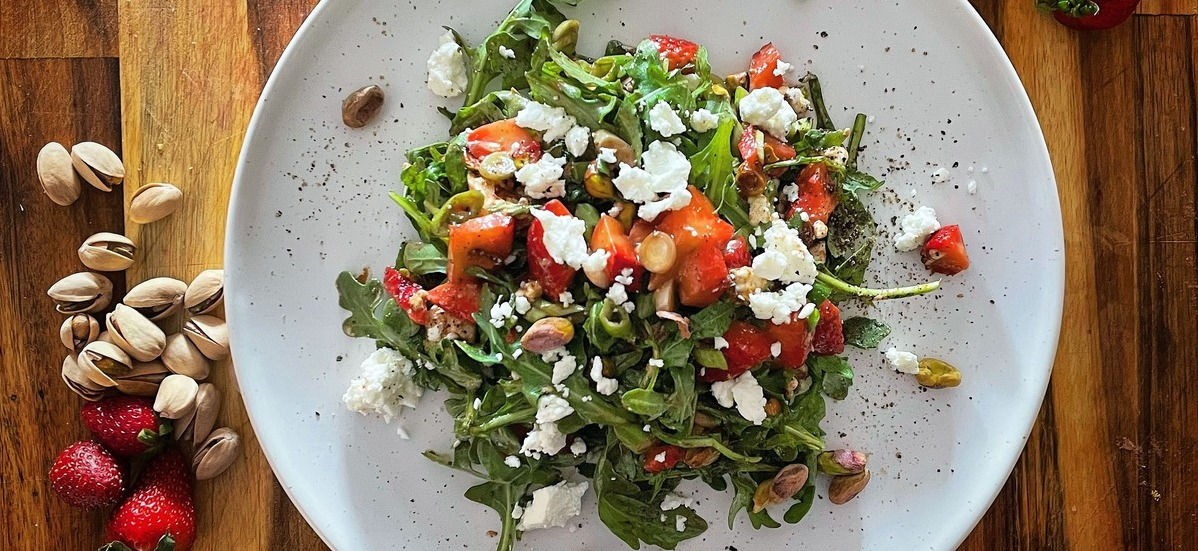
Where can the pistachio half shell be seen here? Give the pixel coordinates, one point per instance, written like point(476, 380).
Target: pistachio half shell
point(176, 396)
point(153, 202)
point(182, 357)
point(102, 361)
point(196, 428)
point(135, 333)
point(78, 382)
point(104, 337)
point(107, 252)
point(56, 174)
point(216, 453)
point(157, 298)
point(206, 292)
point(98, 165)
point(78, 330)
point(83, 292)
point(210, 335)
point(144, 379)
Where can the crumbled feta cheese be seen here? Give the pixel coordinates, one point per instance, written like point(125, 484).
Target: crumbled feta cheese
point(837, 154)
point(790, 192)
point(767, 109)
point(745, 393)
point(564, 368)
point(661, 457)
point(663, 171)
point(566, 298)
point(629, 307)
point(552, 122)
point(806, 311)
point(657, 362)
point(447, 68)
point(779, 306)
point(577, 140)
point(665, 121)
point(603, 385)
point(761, 209)
point(607, 155)
point(617, 293)
point(385, 386)
point(673, 501)
point(786, 257)
point(504, 51)
point(798, 100)
point(776, 349)
point(596, 261)
point(578, 447)
point(703, 120)
point(543, 179)
point(782, 68)
point(719, 343)
point(500, 313)
point(940, 176)
point(512, 461)
point(551, 409)
point(680, 523)
point(646, 428)
point(517, 512)
point(543, 439)
point(521, 304)
point(902, 361)
point(588, 398)
point(516, 354)
point(625, 277)
point(564, 237)
point(402, 432)
point(916, 227)
point(553, 506)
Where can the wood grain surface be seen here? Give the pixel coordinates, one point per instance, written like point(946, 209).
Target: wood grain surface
point(173, 84)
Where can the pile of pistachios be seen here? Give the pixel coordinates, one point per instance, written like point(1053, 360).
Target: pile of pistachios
point(161, 338)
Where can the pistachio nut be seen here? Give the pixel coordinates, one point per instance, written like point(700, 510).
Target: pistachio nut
point(216, 453)
point(789, 481)
point(842, 462)
point(210, 335)
point(764, 496)
point(934, 373)
point(182, 357)
point(102, 361)
point(83, 292)
point(78, 330)
point(78, 382)
point(157, 298)
point(697, 458)
point(98, 165)
point(153, 202)
point(844, 488)
point(176, 396)
point(607, 140)
point(206, 292)
point(107, 252)
point(565, 36)
point(196, 428)
point(135, 333)
point(56, 174)
point(104, 337)
point(360, 107)
point(547, 334)
point(143, 380)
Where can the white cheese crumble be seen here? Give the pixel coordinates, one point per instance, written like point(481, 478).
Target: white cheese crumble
point(447, 68)
point(663, 171)
point(780, 306)
point(837, 154)
point(553, 506)
point(665, 121)
point(385, 386)
point(607, 155)
point(798, 101)
point(551, 409)
point(745, 394)
point(500, 313)
point(512, 461)
point(543, 439)
point(776, 349)
point(680, 523)
point(786, 257)
point(543, 179)
point(521, 304)
point(940, 176)
point(566, 298)
point(504, 51)
point(902, 361)
point(719, 343)
point(603, 385)
point(564, 237)
point(617, 293)
point(552, 122)
point(790, 192)
point(703, 120)
point(517, 512)
point(673, 501)
point(577, 140)
point(578, 447)
point(916, 227)
point(768, 109)
point(564, 368)
point(782, 68)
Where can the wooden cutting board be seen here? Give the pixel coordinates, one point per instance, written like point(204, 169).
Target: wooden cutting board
point(172, 85)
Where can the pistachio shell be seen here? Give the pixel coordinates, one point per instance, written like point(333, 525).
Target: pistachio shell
point(216, 454)
point(135, 333)
point(153, 202)
point(98, 165)
point(176, 396)
point(360, 107)
point(143, 380)
point(206, 292)
point(78, 330)
point(157, 298)
point(207, 407)
point(104, 337)
point(56, 174)
point(210, 335)
point(182, 357)
point(102, 361)
point(85, 292)
point(78, 382)
point(107, 252)
point(843, 489)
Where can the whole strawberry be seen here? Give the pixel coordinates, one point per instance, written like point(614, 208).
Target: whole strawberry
point(127, 425)
point(86, 475)
point(161, 505)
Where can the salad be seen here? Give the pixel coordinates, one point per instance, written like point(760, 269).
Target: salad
point(629, 274)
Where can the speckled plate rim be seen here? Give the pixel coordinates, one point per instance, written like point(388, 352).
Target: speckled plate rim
point(952, 535)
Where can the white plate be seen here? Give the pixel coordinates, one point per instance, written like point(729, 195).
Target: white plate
point(310, 201)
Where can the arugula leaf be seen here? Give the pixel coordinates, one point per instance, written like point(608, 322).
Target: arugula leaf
point(864, 332)
point(713, 173)
point(852, 234)
point(422, 258)
point(855, 181)
point(743, 500)
point(837, 374)
point(375, 315)
point(588, 108)
point(646, 402)
point(505, 489)
point(495, 106)
point(528, 22)
point(631, 513)
point(712, 321)
point(681, 404)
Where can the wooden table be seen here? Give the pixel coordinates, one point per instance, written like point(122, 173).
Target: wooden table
point(173, 83)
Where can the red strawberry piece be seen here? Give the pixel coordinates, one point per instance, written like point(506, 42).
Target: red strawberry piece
point(400, 285)
point(944, 252)
point(160, 506)
point(736, 253)
point(829, 332)
point(1091, 15)
point(86, 475)
point(127, 425)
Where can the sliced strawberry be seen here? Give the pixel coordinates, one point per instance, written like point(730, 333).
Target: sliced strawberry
point(817, 195)
point(944, 252)
point(677, 52)
point(697, 224)
point(748, 346)
point(400, 286)
point(702, 277)
point(554, 278)
point(662, 457)
point(609, 236)
point(483, 241)
point(503, 136)
point(736, 253)
point(762, 67)
point(458, 298)
point(795, 340)
point(86, 475)
point(829, 332)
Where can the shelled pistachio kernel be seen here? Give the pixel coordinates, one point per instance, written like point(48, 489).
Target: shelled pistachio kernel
point(78, 331)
